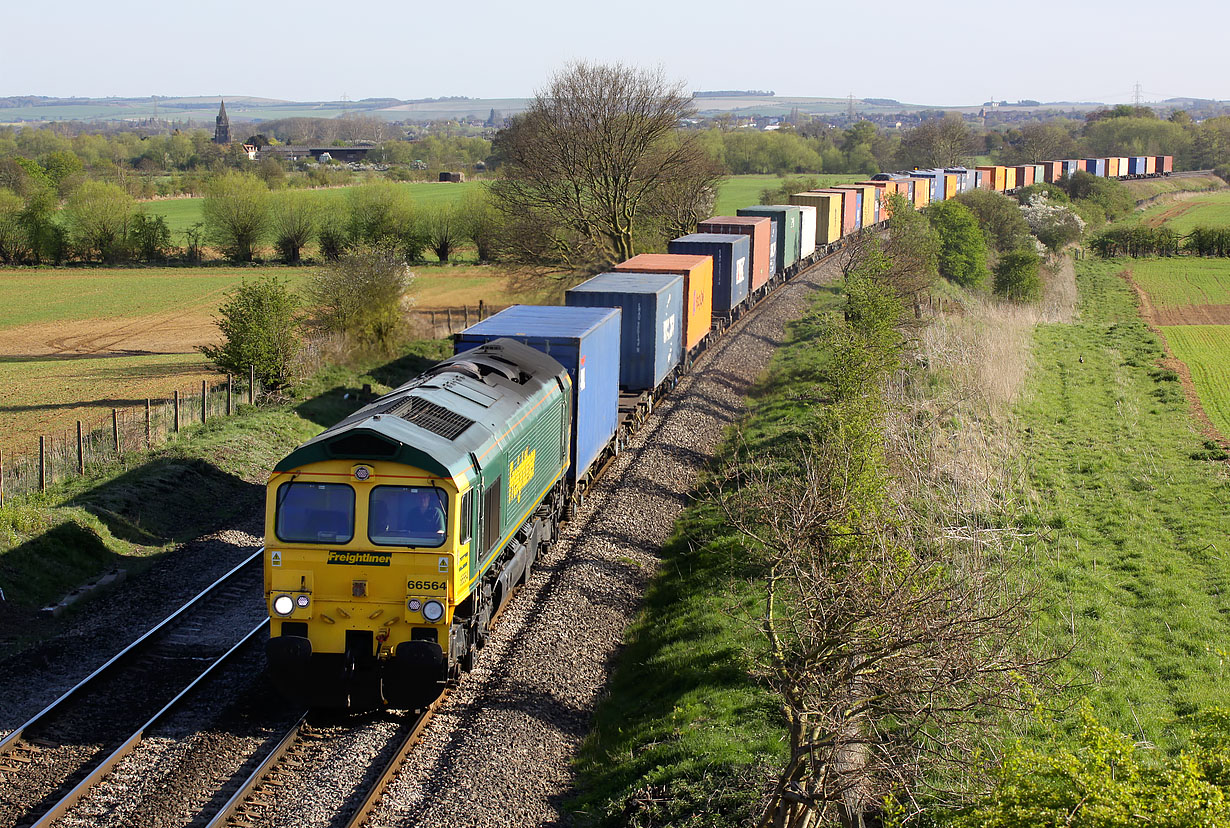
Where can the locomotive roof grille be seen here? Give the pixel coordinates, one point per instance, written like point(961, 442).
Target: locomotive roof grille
point(434, 418)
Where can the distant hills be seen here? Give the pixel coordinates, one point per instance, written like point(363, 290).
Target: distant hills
point(200, 111)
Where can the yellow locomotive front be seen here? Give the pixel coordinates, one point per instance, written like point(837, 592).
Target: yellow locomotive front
point(361, 559)
point(392, 538)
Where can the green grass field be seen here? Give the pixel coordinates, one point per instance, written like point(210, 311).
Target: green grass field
point(182, 213)
point(744, 190)
point(1205, 349)
point(45, 295)
point(1211, 210)
point(1183, 281)
point(1131, 553)
point(1148, 187)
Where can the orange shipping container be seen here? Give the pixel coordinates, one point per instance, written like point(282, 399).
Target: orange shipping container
point(697, 272)
point(952, 185)
point(992, 177)
point(1025, 175)
point(1150, 164)
point(1112, 167)
point(760, 228)
point(1052, 171)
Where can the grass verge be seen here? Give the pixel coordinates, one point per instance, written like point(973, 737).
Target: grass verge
point(1135, 566)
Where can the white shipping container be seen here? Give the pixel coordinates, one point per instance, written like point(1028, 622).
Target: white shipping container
point(807, 232)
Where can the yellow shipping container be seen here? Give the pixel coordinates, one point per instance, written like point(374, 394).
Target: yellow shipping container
point(952, 185)
point(1112, 167)
point(922, 192)
point(828, 214)
point(1009, 177)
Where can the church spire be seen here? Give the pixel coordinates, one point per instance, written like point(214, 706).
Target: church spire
point(222, 126)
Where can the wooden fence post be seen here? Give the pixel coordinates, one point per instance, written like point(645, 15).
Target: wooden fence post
point(177, 411)
point(42, 463)
point(251, 383)
point(482, 310)
point(115, 428)
point(80, 451)
point(230, 391)
point(466, 310)
point(148, 424)
point(204, 399)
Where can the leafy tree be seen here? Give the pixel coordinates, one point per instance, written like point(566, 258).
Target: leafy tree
point(14, 243)
point(97, 217)
point(64, 169)
point(236, 212)
point(381, 214)
point(1044, 142)
point(913, 247)
point(584, 164)
point(333, 235)
point(446, 226)
point(481, 223)
point(1055, 225)
point(362, 296)
point(1017, 275)
point(999, 216)
point(1111, 197)
point(260, 327)
point(44, 236)
point(294, 218)
point(150, 237)
point(938, 142)
point(271, 172)
point(963, 249)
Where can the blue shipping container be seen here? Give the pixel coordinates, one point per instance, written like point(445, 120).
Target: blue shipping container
point(1096, 166)
point(1137, 165)
point(586, 342)
point(787, 224)
point(651, 335)
point(732, 265)
point(858, 207)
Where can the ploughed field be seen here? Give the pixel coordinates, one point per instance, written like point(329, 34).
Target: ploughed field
point(75, 343)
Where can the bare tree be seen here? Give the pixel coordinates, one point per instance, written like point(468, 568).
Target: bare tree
point(583, 168)
point(939, 142)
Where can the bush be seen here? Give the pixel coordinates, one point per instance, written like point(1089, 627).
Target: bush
point(1114, 200)
point(236, 212)
point(999, 217)
point(1017, 275)
point(98, 215)
point(150, 237)
point(362, 296)
point(963, 249)
point(260, 327)
point(1054, 224)
point(294, 223)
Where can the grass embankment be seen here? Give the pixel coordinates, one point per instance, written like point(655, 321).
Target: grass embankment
point(1183, 215)
point(127, 515)
point(1135, 570)
point(687, 727)
point(1181, 282)
point(1143, 188)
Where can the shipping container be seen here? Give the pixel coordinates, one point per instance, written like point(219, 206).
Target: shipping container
point(732, 264)
point(1096, 166)
point(697, 273)
point(1136, 165)
point(1112, 167)
point(965, 181)
point(651, 321)
point(993, 177)
point(1039, 173)
point(828, 214)
point(934, 193)
point(952, 185)
point(807, 230)
point(1025, 174)
point(1150, 164)
point(586, 342)
point(786, 218)
point(1009, 178)
point(1052, 171)
point(866, 199)
point(1124, 163)
point(1165, 163)
point(759, 228)
point(922, 190)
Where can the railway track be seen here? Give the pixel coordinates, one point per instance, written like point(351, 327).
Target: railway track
point(52, 761)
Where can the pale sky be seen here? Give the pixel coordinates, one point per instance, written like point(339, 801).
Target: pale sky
point(957, 52)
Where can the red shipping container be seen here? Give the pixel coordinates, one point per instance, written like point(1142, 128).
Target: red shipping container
point(1025, 175)
point(760, 228)
point(1053, 171)
point(697, 273)
point(1165, 163)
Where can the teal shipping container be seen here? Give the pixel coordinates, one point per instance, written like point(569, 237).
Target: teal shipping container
point(788, 219)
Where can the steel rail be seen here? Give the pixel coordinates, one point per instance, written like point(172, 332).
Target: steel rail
point(8, 741)
point(102, 769)
point(249, 786)
point(393, 765)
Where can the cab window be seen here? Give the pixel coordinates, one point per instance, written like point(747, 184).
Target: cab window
point(315, 513)
point(407, 516)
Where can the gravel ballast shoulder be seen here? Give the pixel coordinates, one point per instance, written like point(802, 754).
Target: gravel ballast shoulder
point(499, 751)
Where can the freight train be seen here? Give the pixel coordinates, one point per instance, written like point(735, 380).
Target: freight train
point(393, 538)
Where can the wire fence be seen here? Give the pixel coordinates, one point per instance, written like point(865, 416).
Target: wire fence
point(442, 322)
point(73, 452)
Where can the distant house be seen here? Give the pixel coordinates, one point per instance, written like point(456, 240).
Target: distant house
point(453, 177)
point(293, 153)
point(250, 151)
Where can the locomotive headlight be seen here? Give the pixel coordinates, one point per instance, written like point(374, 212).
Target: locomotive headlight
point(433, 611)
point(302, 601)
point(414, 605)
point(283, 605)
